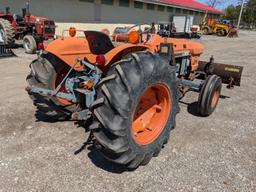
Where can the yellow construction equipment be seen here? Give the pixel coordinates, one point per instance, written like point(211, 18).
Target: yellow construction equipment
point(218, 27)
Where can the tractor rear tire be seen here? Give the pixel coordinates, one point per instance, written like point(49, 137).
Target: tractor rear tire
point(209, 95)
point(43, 74)
point(29, 44)
point(7, 32)
point(118, 110)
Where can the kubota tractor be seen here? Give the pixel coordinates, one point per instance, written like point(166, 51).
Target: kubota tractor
point(128, 93)
point(32, 29)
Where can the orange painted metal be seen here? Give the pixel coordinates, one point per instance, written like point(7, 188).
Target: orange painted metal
point(69, 49)
point(120, 51)
point(151, 114)
point(153, 44)
point(179, 45)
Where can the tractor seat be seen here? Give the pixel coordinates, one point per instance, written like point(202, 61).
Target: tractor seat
point(18, 18)
point(99, 42)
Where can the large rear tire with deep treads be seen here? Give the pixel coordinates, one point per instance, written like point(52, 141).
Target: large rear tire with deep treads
point(6, 32)
point(135, 109)
point(47, 72)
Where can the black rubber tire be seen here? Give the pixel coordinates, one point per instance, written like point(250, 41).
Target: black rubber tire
point(221, 33)
point(206, 30)
point(212, 83)
point(43, 74)
point(8, 31)
point(29, 44)
point(117, 99)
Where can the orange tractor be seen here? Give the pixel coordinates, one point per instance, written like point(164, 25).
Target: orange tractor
point(128, 93)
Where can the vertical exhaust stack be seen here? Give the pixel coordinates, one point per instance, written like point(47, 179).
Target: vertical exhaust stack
point(24, 12)
point(28, 11)
point(7, 10)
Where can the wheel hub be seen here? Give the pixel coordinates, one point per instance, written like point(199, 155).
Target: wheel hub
point(151, 114)
point(215, 98)
point(27, 44)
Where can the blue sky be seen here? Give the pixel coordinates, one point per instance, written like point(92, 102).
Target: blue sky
point(224, 4)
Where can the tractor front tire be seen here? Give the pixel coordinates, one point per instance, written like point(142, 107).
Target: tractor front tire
point(209, 95)
point(43, 74)
point(221, 33)
point(7, 32)
point(206, 30)
point(29, 44)
point(135, 109)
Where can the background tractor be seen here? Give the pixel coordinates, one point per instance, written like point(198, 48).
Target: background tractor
point(31, 29)
point(127, 93)
point(218, 27)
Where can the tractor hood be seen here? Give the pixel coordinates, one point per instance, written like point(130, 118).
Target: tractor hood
point(36, 19)
point(179, 45)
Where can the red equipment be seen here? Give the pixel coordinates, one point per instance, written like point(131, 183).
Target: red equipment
point(33, 30)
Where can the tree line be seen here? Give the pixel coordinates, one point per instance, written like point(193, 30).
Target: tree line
point(248, 19)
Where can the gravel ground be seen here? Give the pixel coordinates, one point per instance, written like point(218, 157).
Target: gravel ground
point(217, 153)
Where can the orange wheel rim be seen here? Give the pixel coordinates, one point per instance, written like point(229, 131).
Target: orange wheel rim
point(151, 114)
point(215, 98)
point(60, 76)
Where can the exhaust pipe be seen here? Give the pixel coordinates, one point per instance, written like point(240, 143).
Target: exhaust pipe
point(7, 10)
point(28, 12)
point(24, 12)
point(230, 74)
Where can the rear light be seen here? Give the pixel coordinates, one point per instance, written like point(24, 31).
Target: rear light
point(100, 60)
point(134, 37)
point(41, 46)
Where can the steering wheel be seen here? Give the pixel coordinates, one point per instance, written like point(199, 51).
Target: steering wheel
point(140, 30)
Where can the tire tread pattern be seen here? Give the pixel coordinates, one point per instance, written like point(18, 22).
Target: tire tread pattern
point(43, 74)
point(114, 114)
point(9, 31)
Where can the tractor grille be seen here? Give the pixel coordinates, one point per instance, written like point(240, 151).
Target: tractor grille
point(49, 27)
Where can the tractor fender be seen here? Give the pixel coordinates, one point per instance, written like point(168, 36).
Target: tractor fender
point(120, 51)
point(69, 49)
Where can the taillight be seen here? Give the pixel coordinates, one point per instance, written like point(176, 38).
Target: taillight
point(100, 59)
point(41, 46)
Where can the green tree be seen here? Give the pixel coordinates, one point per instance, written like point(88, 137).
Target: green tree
point(232, 12)
point(249, 13)
point(249, 16)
